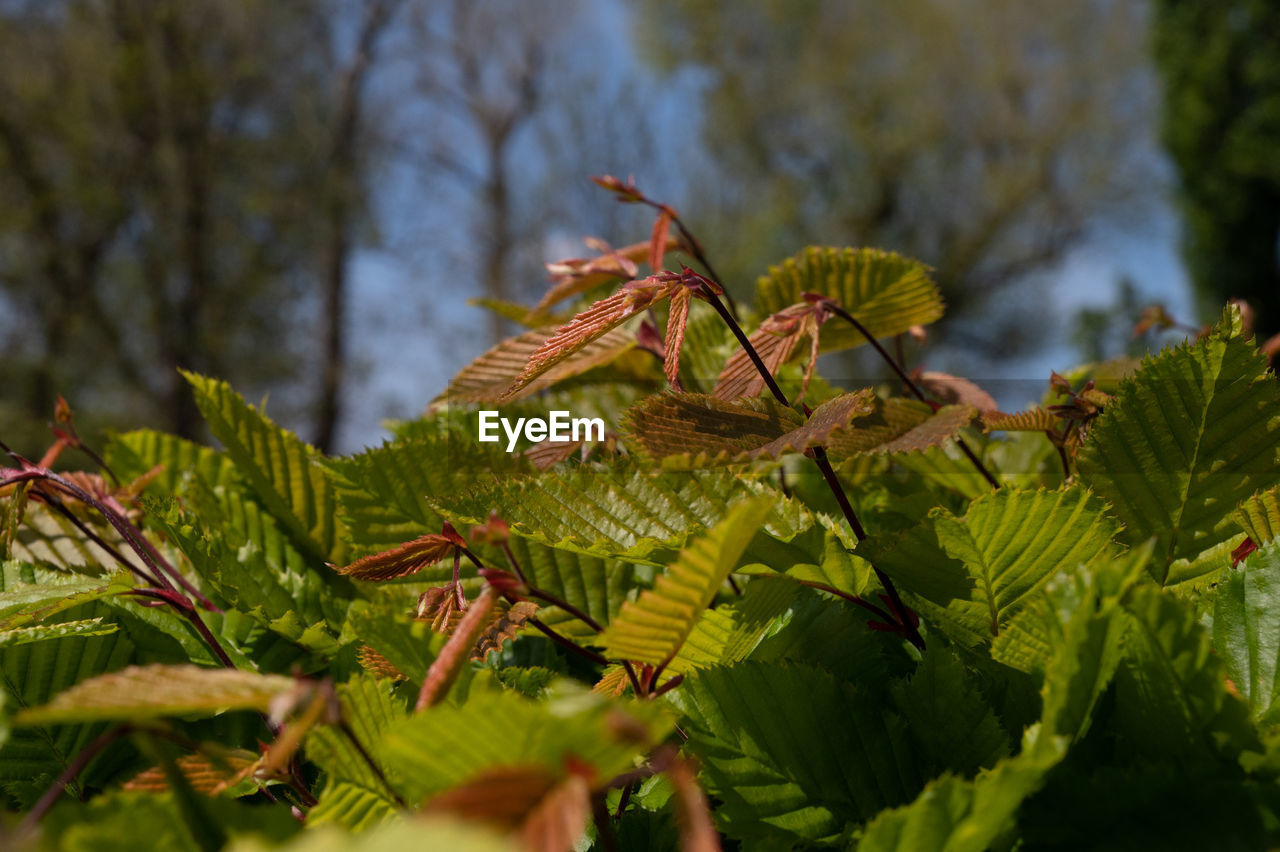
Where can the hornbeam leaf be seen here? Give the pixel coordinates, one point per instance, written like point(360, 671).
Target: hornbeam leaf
point(955, 390)
point(1246, 629)
point(887, 293)
point(971, 575)
point(284, 472)
point(1189, 437)
point(792, 753)
point(900, 426)
point(652, 628)
point(590, 325)
point(148, 692)
point(620, 511)
point(1259, 516)
point(450, 743)
point(40, 632)
point(486, 378)
point(774, 341)
point(1031, 420)
point(578, 275)
point(685, 430)
point(409, 558)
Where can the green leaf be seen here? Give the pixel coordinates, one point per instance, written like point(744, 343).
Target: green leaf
point(1188, 438)
point(972, 574)
point(41, 632)
point(621, 510)
point(135, 453)
point(33, 674)
point(449, 744)
point(953, 726)
point(1246, 629)
point(730, 632)
point(792, 753)
point(1260, 516)
point(284, 472)
point(956, 815)
point(886, 292)
point(594, 585)
point(652, 628)
point(354, 796)
point(684, 430)
point(1171, 696)
point(409, 645)
point(147, 692)
point(383, 493)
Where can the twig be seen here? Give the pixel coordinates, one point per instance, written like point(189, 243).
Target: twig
point(907, 381)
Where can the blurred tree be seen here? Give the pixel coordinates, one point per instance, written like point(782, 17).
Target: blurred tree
point(178, 177)
point(983, 139)
point(1221, 66)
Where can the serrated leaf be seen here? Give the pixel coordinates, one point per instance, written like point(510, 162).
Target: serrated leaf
point(33, 757)
point(147, 692)
point(1031, 420)
point(383, 493)
point(956, 815)
point(900, 426)
point(1259, 516)
point(770, 752)
point(1188, 438)
point(953, 726)
point(590, 325)
point(886, 292)
point(1171, 696)
point(618, 511)
point(488, 377)
point(41, 632)
point(594, 585)
point(683, 430)
point(1246, 629)
point(209, 772)
point(27, 603)
point(284, 472)
point(730, 632)
point(134, 453)
point(774, 341)
point(972, 574)
point(652, 628)
point(449, 744)
point(409, 558)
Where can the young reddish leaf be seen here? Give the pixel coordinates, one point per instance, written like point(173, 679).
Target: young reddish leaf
point(693, 812)
point(489, 376)
point(592, 324)
point(505, 624)
point(696, 430)
point(677, 318)
point(455, 653)
point(545, 813)
point(579, 275)
point(1242, 552)
point(658, 239)
point(440, 605)
point(775, 341)
point(409, 558)
point(953, 390)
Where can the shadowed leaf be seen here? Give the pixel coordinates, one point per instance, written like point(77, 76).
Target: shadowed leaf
point(900, 426)
point(148, 692)
point(695, 430)
point(774, 341)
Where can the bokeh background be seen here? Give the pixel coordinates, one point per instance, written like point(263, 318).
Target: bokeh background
point(300, 195)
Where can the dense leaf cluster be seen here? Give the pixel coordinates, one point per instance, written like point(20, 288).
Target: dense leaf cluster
point(861, 621)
